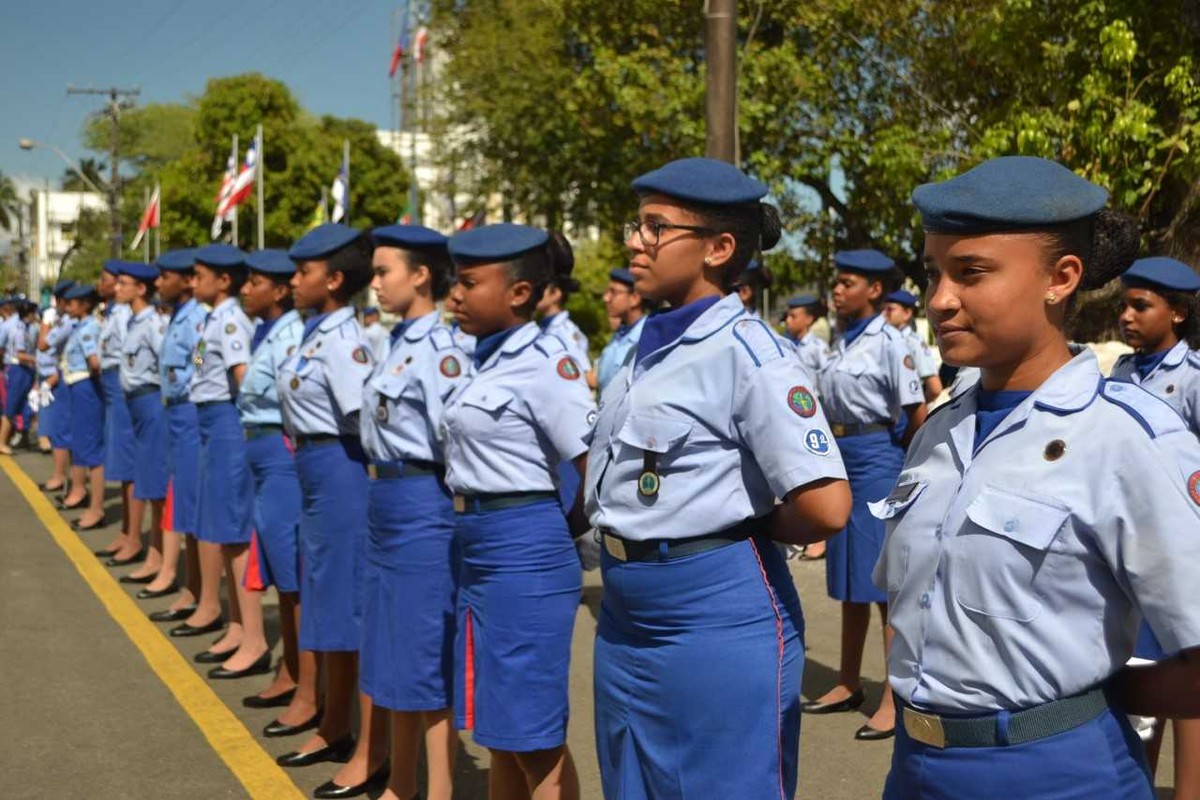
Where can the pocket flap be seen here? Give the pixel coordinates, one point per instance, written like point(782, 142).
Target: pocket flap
point(655, 434)
point(1031, 521)
point(490, 399)
point(899, 499)
point(395, 386)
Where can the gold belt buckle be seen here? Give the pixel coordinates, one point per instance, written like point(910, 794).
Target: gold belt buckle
point(615, 548)
point(373, 472)
point(838, 430)
point(925, 728)
point(460, 504)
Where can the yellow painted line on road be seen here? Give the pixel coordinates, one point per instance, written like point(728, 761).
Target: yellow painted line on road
point(250, 764)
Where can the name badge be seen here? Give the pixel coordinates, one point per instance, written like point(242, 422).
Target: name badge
point(902, 492)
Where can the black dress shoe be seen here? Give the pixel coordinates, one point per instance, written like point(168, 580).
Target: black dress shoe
point(849, 704)
point(193, 630)
point(168, 615)
point(132, 579)
point(98, 524)
point(279, 729)
point(148, 594)
point(868, 734)
point(104, 553)
point(260, 667)
point(209, 657)
point(340, 752)
point(378, 780)
point(136, 558)
point(63, 504)
point(52, 489)
point(278, 701)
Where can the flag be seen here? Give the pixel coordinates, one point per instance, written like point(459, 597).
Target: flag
point(149, 220)
point(420, 44)
point(474, 221)
point(340, 191)
point(409, 215)
point(400, 49)
point(223, 194)
point(318, 217)
point(243, 184)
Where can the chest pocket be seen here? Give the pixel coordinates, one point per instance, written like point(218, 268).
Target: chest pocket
point(999, 554)
point(654, 445)
point(491, 400)
point(395, 387)
point(893, 509)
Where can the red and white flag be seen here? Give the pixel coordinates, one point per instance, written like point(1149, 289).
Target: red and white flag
point(243, 184)
point(420, 44)
point(149, 220)
point(223, 195)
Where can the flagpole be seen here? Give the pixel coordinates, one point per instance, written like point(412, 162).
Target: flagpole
point(158, 227)
point(260, 166)
point(234, 210)
point(146, 239)
point(414, 123)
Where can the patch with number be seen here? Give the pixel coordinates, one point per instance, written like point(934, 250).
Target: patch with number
point(908, 362)
point(360, 355)
point(231, 328)
point(592, 416)
point(567, 370)
point(801, 400)
point(1194, 487)
point(914, 387)
point(449, 367)
point(817, 442)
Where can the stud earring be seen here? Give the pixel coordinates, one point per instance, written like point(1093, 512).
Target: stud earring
point(708, 262)
point(1051, 298)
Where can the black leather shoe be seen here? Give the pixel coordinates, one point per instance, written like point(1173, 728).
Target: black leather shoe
point(81, 504)
point(260, 667)
point(167, 615)
point(52, 489)
point(339, 752)
point(149, 594)
point(376, 781)
point(132, 579)
point(849, 704)
point(98, 524)
point(278, 701)
point(868, 734)
point(279, 729)
point(136, 558)
point(104, 553)
point(192, 630)
point(209, 657)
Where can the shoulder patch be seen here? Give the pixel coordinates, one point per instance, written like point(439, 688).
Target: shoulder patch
point(567, 369)
point(759, 341)
point(360, 355)
point(1152, 414)
point(450, 367)
point(231, 328)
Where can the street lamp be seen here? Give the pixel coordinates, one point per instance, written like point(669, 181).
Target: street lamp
point(30, 144)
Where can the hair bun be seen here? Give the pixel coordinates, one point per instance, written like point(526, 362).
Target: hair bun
point(561, 257)
point(772, 228)
point(1116, 242)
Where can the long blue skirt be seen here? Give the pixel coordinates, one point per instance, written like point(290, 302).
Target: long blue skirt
point(119, 442)
point(333, 540)
point(518, 592)
point(87, 424)
point(873, 463)
point(225, 485)
point(410, 582)
point(183, 466)
point(54, 420)
point(150, 429)
point(276, 511)
point(697, 676)
point(19, 381)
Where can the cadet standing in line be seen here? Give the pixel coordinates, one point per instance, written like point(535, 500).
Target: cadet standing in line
point(751, 284)
point(55, 418)
point(899, 309)
point(1063, 509)
point(411, 569)
point(697, 436)
point(19, 376)
point(556, 320)
point(82, 377)
point(118, 424)
point(525, 410)
point(868, 385)
point(802, 312)
point(624, 303)
point(374, 332)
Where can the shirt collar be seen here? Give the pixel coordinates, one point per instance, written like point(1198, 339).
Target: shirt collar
point(1175, 356)
point(282, 321)
point(516, 340)
point(145, 312)
point(224, 305)
point(420, 327)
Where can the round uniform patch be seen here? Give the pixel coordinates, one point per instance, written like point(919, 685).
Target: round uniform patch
point(817, 442)
point(360, 355)
point(801, 400)
point(1194, 487)
point(908, 362)
point(649, 484)
point(291, 350)
point(450, 367)
point(295, 384)
point(231, 328)
point(381, 413)
point(567, 369)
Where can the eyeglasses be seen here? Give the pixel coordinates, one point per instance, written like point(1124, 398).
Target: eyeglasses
point(651, 230)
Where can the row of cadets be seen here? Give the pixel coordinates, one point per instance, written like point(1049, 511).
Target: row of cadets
point(697, 436)
point(19, 372)
point(118, 424)
point(82, 378)
point(626, 305)
point(899, 309)
point(54, 418)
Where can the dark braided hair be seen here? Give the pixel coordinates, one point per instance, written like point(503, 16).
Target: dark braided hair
point(543, 266)
point(1107, 244)
point(755, 228)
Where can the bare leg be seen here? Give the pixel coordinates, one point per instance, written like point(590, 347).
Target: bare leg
point(95, 509)
point(506, 780)
point(232, 638)
point(168, 543)
point(550, 774)
point(441, 745)
point(856, 618)
point(304, 702)
point(254, 637)
point(6, 429)
point(154, 556)
point(1187, 759)
point(209, 607)
point(371, 750)
point(341, 679)
point(78, 486)
point(288, 668)
point(885, 718)
point(62, 461)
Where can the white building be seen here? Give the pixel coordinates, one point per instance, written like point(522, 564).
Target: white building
point(53, 219)
point(417, 151)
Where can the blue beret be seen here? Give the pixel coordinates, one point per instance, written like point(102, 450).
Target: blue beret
point(61, 287)
point(139, 271)
point(271, 262)
point(408, 236)
point(321, 241)
point(113, 266)
point(621, 275)
point(79, 290)
point(802, 300)
point(1163, 272)
point(370, 310)
point(491, 244)
point(221, 256)
point(701, 180)
point(1006, 194)
point(902, 297)
point(177, 260)
point(868, 261)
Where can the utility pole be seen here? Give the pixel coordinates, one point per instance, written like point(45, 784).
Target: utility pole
point(720, 95)
point(115, 106)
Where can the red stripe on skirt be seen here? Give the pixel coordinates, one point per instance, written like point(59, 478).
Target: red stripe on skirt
point(469, 673)
point(778, 663)
point(254, 580)
point(168, 512)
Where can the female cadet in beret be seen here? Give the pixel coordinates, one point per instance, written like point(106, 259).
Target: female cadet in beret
point(899, 309)
point(554, 318)
point(412, 565)
point(320, 390)
point(699, 649)
point(1039, 515)
point(82, 377)
point(118, 424)
point(869, 385)
point(55, 419)
point(1159, 319)
point(525, 410)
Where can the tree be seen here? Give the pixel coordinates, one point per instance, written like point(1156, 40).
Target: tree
point(10, 204)
point(91, 168)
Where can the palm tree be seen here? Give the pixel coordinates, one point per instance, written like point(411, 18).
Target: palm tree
point(10, 204)
point(92, 168)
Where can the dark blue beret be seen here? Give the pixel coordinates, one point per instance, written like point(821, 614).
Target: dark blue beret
point(621, 275)
point(370, 310)
point(902, 297)
point(802, 300)
point(271, 262)
point(80, 290)
point(113, 266)
point(1006, 194)
point(221, 256)
point(702, 180)
point(408, 236)
point(868, 261)
point(322, 240)
point(139, 271)
point(1163, 272)
point(177, 260)
point(61, 287)
point(491, 244)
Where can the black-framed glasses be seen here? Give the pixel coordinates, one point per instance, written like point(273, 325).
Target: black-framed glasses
point(651, 230)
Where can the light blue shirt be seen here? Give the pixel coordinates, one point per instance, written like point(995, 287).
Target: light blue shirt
point(870, 381)
point(84, 343)
point(321, 384)
point(722, 455)
point(143, 344)
point(377, 339)
point(1176, 380)
point(176, 360)
point(922, 356)
point(56, 345)
point(1018, 573)
point(404, 399)
point(15, 340)
point(526, 409)
point(224, 344)
point(623, 342)
point(564, 328)
point(112, 335)
point(465, 341)
point(258, 397)
point(813, 352)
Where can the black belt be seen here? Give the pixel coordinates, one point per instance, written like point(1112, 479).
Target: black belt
point(261, 431)
point(1029, 725)
point(391, 470)
point(109, 369)
point(464, 503)
point(174, 401)
point(141, 391)
point(316, 439)
point(207, 403)
point(670, 549)
point(840, 430)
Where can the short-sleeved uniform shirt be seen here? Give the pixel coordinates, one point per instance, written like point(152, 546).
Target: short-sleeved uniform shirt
point(176, 360)
point(112, 334)
point(922, 355)
point(258, 396)
point(377, 339)
point(871, 380)
point(562, 326)
point(56, 344)
point(812, 351)
point(83, 344)
point(321, 384)
point(464, 340)
point(143, 344)
point(224, 344)
point(1176, 380)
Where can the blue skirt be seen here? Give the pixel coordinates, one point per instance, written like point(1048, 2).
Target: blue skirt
point(150, 464)
point(183, 466)
point(410, 578)
point(54, 420)
point(276, 511)
point(722, 630)
point(333, 539)
point(1099, 759)
point(1147, 645)
point(19, 381)
point(87, 424)
point(225, 485)
point(873, 463)
point(518, 591)
point(119, 445)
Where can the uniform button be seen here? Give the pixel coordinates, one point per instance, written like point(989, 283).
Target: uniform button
point(925, 600)
point(1010, 525)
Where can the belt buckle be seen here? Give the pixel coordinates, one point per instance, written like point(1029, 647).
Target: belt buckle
point(925, 728)
point(838, 429)
point(460, 504)
point(615, 548)
point(373, 471)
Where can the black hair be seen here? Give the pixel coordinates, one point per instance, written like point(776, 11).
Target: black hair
point(1189, 303)
point(151, 289)
point(353, 260)
point(1106, 243)
point(437, 260)
point(562, 264)
point(755, 228)
point(543, 266)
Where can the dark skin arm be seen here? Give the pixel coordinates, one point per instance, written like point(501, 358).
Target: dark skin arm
point(812, 513)
point(577, 521)
point(1169, 688)
point(916, 414)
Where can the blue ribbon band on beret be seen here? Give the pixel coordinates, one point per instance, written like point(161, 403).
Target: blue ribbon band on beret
point(271, 262)
point(902, 297)
point(702, 180)
point(868, 261)
point(1162, 272)
point(493, 244)
point(221, 257)
point(146, 273)
point(1010, 193)
point(322, 241)
point(802, 300)
point(408, 236)
point(621, 275)
point(177, 260)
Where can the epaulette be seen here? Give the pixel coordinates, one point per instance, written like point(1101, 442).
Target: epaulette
point(1194, 358)
point(441, 338)
point(760, 341)
point(549, 345)
point(1151, 413)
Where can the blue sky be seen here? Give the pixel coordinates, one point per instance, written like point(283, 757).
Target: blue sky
point(333, 54)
